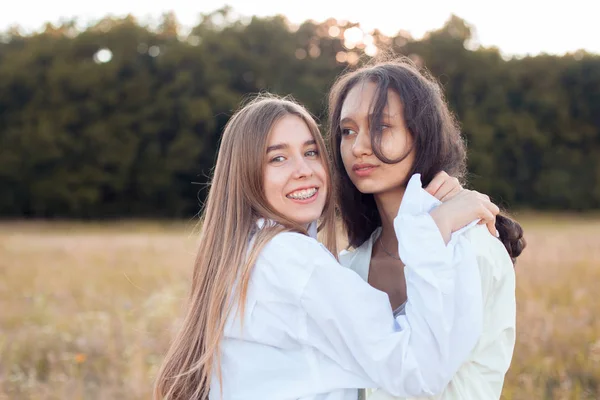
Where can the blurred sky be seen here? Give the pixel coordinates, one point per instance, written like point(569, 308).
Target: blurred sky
point(516, 27)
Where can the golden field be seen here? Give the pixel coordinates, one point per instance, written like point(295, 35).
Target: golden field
point(86, 310)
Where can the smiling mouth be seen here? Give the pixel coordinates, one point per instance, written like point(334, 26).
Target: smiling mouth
point(303, 194)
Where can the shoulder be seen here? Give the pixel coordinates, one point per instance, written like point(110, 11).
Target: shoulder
point(293, 244)
point(492, 257)
point(288, 260)
point(355, 258)
point(346, 257)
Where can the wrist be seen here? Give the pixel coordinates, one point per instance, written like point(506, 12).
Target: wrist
point(443, 223)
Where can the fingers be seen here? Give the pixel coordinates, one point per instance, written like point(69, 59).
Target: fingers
point(491, 226)
point(444, 187)
point(445, 196)
point(468, 205)
point(494, 209)
point(488, 216)
point(436, 183)
point(481, 196)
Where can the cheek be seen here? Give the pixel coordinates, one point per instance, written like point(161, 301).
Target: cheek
point(346, 154)
point(273, 185)
point(321, 172)
point(395, 144)
point(397, 174)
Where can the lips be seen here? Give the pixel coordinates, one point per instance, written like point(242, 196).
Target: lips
point(363, 169)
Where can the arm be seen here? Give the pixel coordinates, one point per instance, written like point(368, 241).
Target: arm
point(352, 323)
point(482, 375)
point(445, 187)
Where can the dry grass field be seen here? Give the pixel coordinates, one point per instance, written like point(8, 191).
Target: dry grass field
point(86, 310)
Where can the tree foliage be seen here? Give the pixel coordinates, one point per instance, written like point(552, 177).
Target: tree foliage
point(124, 120)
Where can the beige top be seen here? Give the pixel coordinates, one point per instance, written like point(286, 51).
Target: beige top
point(481, 376)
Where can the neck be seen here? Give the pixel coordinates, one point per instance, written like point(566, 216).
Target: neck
point(388, 204)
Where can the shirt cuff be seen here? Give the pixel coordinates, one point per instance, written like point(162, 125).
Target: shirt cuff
point(420, 241)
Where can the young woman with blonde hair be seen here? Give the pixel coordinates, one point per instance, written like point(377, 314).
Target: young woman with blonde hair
point(272, 315)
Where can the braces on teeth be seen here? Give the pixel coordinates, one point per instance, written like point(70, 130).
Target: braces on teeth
point(303, 194)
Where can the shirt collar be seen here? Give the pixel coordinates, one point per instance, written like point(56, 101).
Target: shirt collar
point(312, 227)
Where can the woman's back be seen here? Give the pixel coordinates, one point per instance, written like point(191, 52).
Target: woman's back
point(269, 356)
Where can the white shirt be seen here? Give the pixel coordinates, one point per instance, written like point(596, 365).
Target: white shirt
point(481, 374)
point(315, 330)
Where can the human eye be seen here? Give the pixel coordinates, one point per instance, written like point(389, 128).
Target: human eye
point(382, 127)
point(277, 159)
point(312, 153)
point(347, 132)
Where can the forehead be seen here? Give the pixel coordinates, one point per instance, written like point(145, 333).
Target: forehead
point(360, 100)
point(291, 130)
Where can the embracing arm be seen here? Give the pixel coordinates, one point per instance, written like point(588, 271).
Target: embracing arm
point(481, 376)
point(352, 323)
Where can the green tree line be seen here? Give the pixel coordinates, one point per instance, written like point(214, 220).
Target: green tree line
point(122, 120)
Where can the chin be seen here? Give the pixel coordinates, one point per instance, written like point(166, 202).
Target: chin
point(366, 188)
point(372, 187)
point(305, 219)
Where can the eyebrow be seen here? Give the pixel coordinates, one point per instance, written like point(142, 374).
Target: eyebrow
point(282, 146)
point(349, 119)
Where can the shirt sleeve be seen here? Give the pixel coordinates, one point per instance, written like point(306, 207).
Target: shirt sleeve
point(493, 354)
point(482, 375)
point(352, 323)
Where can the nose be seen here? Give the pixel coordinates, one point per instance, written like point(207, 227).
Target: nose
point(302, 169)
point(362, 144)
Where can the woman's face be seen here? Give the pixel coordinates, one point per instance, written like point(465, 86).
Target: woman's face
point(295, 179)
point(368, 173)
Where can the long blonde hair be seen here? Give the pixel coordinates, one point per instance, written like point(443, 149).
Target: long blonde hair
point(236, 200)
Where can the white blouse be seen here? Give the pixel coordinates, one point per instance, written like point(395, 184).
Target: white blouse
point(481, 373)
point(315, 330)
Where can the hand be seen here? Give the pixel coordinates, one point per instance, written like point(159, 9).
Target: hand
point(466, 206)
point(444, 187)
